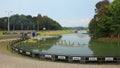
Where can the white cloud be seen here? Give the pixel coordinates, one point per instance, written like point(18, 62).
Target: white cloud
point(80, 22)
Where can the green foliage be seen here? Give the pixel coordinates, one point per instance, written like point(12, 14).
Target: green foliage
point(3, 23)
point(108, 23)
point(22, 22)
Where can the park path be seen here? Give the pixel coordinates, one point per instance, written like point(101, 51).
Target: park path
point(9, 60)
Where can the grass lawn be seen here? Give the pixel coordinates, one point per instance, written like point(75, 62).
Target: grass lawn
point(47, 32)
point(1, 34)
point(54, 32)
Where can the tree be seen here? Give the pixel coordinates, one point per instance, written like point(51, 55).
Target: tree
point(14, 20)
point(3, 23)
point(39, 22)
point(108, 24)
point(96, 26)
point(27, 22)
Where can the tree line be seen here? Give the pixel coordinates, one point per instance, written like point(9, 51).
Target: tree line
point(106, 21)
point(27, 22)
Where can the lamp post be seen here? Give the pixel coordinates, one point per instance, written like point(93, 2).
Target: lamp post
point(8, 12)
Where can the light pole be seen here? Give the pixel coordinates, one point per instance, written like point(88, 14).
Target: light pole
point(8, 12)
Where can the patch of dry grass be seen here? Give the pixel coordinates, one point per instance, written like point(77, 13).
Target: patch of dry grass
point(54, 32)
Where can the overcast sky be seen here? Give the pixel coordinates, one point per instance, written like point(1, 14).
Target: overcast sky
point(69, 13)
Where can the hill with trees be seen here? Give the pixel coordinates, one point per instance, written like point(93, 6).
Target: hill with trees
point(106, 22)
point(27, 22)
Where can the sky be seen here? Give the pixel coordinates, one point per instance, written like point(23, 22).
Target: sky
point(69, 13)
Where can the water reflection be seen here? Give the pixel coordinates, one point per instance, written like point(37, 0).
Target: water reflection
point(105, 48)
point(44, 44)
point(79, 48)
point(72, 51)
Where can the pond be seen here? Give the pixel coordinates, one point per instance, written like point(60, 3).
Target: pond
point(75, 44)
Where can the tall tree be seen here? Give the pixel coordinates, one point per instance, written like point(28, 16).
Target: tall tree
point(108, 24)
point(96, 27)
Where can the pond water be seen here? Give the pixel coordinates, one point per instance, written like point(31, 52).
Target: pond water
point(76, 44)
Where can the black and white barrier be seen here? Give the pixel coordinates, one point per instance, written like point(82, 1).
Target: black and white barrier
point(28, 53)
point(21, 51)
point(65, 58)
point(109, 59)
point(61, 57)
point(75, 59)
point(48, 56)
point(78, 59)
point(16, 49)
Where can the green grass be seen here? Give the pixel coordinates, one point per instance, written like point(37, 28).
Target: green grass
point(54, 32)
point(1, 34)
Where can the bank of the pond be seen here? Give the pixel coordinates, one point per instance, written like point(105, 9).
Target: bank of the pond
point(54, 32)
point(108, 39)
